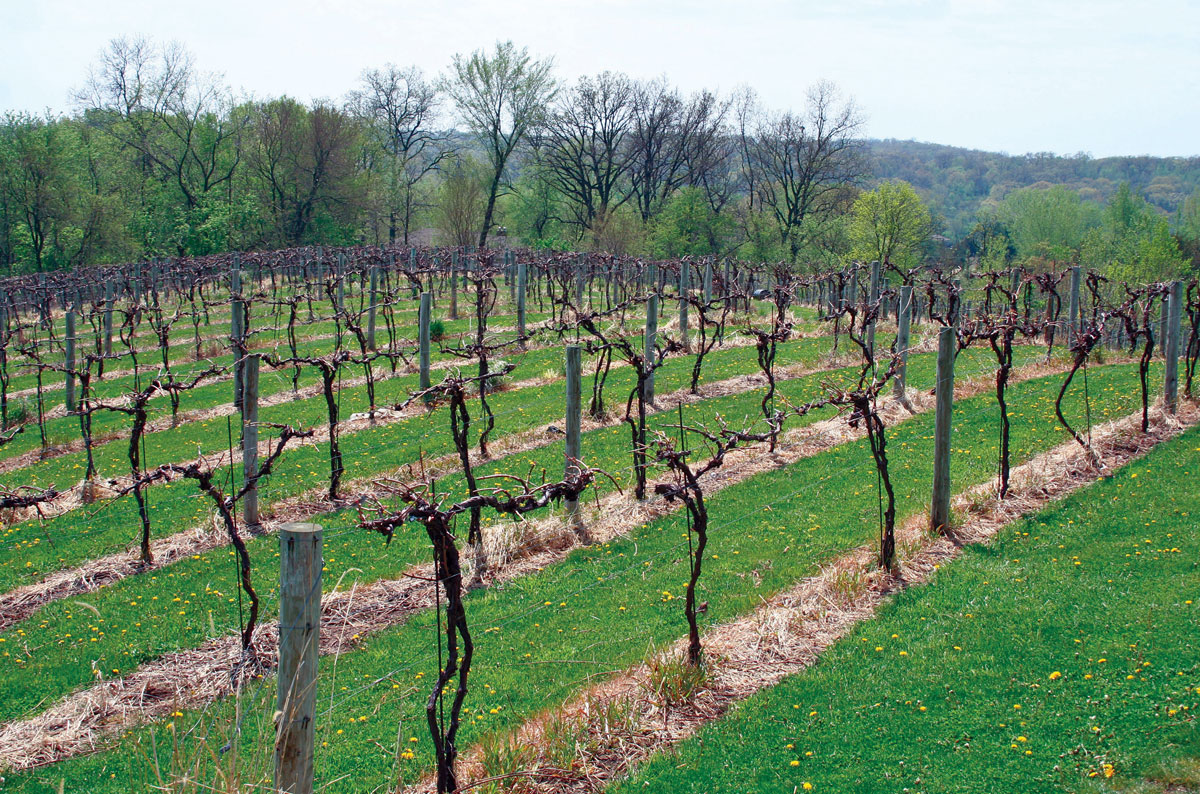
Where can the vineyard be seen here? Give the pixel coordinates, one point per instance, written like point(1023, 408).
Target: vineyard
point(434, 519)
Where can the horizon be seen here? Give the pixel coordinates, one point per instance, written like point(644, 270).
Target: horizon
point(980, 82)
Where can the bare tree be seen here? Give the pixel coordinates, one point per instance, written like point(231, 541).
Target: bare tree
point(584, 149)
point(673, 142)
point(180, 123)
point(502, 97)
point(802, 165)
point(401, 107)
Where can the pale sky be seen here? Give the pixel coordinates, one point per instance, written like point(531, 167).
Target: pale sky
point(1106, 76)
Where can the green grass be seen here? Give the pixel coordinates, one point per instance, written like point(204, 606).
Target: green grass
point(1029, 664)
point(607, 604)
point(33, 548)
point(150, 628)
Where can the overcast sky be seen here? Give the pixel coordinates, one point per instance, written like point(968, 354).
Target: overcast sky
point(1105, 76)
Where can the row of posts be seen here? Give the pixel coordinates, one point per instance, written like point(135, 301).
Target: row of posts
point(301, 544)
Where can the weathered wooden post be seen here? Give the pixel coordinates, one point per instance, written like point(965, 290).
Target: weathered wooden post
point(1161, 339)
point(873, 296)
point(108, 316)
point(939, 510)
point(1174, 314)
point(423, 339)
point(580, 282)
point(453, 285)
point(250, 439)
point(648, 349)
point(903, 335)
point(1073, 328)
point(685, 274)
point(371, 307)
point(522, 278)
point(412, 268)
point(706, 283)
point(574, 414)
point(341, 282)
point(237, 331)
point(300, 561)
point(69, 353)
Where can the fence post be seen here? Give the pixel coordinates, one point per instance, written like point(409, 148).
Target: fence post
point(574, 389)
point(873, 296)
point(685, 272)
point(299, 637)
point(236, 332)
point(69, 398)
point(412, 268)
point(1174, 314)
point(371, 308)
point(1073, 329)
point(341, 282)
point(453, 285)
point(1161, 339)
point(939, 510)
point(903, 335)
point(648, 350)
point(522, 277)
point(108, 312)
point(707, 283)
point(580, 285)
point(250, 438)
point(423, 339)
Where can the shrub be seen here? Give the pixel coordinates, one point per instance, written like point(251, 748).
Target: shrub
point(437, 330)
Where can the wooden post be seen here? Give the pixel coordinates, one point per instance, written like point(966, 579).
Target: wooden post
point(1174, 314)
point(371, 307)
point(236, 332)
point(903, 335)
point(299, 637)
point(648, 349)
point(423, 339)
point(706, 284)
point(250, 438)
point(453, 285)
point(108, 312)
point(1161, 340)
point(872, 297)
point(341, 282)
point(580, 284)
point(412, 268)
point(685, 272)
point(574, 389)
point(522, 278)
point(69, 397)
point(728, 285)
point(1073, 328)
point(939, 509)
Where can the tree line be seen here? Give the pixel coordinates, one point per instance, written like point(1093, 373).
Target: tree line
point(160, 159)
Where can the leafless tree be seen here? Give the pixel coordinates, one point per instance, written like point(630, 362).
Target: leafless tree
point(802, 164)
point(584, 149)
point(401, 107)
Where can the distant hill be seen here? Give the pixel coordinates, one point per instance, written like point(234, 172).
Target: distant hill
point(956, 181)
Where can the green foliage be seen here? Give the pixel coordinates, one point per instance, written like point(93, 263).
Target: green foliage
point(1047, 222)
point(1135, 243)
point(688, 226)
point(532, 213)
point(891, 224)
point(437, 330)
